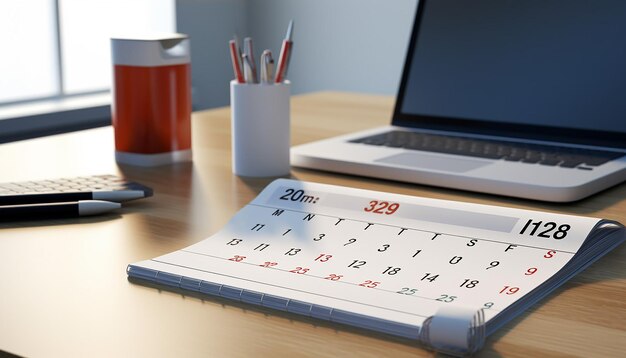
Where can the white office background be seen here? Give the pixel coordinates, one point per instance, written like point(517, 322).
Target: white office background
point(28, 58)
point(58, 51)
point(57, 48)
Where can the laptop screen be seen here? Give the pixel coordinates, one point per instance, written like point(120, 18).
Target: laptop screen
point(545, 69)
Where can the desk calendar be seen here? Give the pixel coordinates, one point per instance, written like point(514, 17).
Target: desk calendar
point(442, 272)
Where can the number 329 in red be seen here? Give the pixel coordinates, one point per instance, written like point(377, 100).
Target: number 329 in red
point(382, 207)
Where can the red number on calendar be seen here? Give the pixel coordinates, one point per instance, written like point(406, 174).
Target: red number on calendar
point(333, 277)
point(237, 258)
point(381, 207)
point(369, 284)
point(268, 264)
point(300, 270)
point(530, 271)
point(323, 258)
point(550, 254)
point(509, 290)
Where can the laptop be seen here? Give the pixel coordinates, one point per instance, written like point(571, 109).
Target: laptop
point(517, 98)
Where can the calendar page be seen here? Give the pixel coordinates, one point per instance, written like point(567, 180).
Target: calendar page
point(380, 255)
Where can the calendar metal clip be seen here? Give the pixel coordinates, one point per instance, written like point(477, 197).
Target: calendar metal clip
point(455, 330)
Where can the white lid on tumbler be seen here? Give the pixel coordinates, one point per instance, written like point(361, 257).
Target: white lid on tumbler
point(151, 50)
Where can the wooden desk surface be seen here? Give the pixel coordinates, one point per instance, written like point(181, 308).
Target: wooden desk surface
point(63, 286)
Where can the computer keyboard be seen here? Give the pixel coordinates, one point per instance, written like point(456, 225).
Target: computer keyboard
point(106, 187)
point(564, 157)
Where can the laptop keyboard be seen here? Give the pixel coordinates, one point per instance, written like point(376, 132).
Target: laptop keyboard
point(564, 157)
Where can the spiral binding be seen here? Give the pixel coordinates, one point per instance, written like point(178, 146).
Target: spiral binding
point(475, 334)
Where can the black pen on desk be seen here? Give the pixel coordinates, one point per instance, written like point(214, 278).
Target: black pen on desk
point(40, 198)
point(56, 210)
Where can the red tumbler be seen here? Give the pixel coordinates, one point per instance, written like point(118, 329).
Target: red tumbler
point(151, 106)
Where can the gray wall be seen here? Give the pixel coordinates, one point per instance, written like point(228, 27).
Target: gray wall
point(347, 45)
point(211, 24)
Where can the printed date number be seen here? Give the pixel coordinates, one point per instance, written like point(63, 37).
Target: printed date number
point(382, 207)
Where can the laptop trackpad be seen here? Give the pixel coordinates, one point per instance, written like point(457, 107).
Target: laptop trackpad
point(434, 162)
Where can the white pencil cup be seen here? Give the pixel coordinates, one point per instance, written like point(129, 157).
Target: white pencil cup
point(260, 129)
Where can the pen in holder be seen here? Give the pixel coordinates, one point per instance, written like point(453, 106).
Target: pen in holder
point(260, 128)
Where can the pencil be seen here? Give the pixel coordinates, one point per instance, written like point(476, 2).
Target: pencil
point(234, 55)
point(285, 55)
